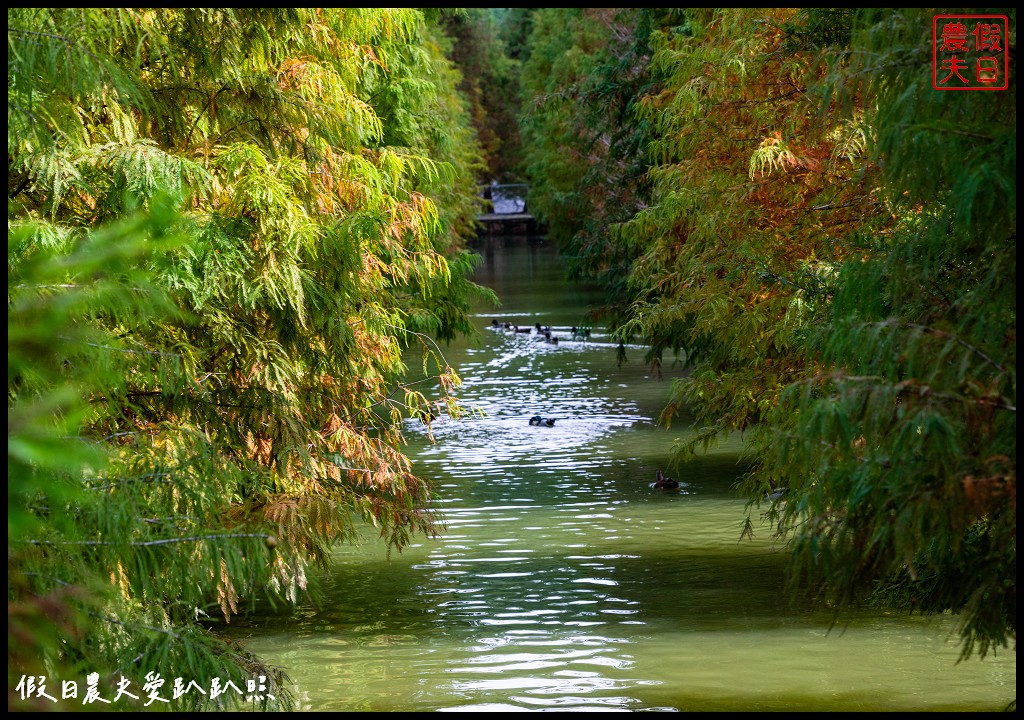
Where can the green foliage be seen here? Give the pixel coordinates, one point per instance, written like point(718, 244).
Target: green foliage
point(829, 244)
point(54, 360)
point(736, 253)
point(490, 82)
point(584, 144)
point(906, 438)
point(224, 229)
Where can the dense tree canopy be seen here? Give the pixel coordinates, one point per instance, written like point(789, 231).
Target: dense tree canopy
point(902, 444)
point(225, 227)
point(490, 83)
point(584, 147)
point(829, 244)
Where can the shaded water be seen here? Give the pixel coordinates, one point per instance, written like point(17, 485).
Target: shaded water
point(565, 582)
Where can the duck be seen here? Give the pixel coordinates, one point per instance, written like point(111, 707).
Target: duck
point(664, 483)
point(542, 330)
point(523, 330)
point(776, 494)
point(537, 420)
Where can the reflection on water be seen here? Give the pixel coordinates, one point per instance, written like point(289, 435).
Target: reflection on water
point(564, 582)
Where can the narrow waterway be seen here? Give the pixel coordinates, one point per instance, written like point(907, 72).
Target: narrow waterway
point(565, 582)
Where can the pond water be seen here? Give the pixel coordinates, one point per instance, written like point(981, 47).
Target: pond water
point(564, 582)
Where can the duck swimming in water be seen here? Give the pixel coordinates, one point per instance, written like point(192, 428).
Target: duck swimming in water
point(776, 494)
point(537, 420)
point(664, 483)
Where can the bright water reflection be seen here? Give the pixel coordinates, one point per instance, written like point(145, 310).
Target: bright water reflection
point(565, 583)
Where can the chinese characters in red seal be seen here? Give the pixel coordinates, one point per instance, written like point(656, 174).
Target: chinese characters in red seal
point(969, 52)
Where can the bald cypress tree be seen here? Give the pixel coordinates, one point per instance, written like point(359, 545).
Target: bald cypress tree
point(226, 227)
point(831, 249)
point(901, 449)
